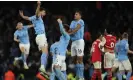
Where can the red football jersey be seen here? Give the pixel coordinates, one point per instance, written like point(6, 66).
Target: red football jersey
point(96, 52)
point(110, 42)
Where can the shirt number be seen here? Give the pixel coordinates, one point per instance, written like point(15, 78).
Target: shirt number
point(112, 44)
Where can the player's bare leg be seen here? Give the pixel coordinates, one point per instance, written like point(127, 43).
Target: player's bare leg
point(44, 61)
point(23, 57)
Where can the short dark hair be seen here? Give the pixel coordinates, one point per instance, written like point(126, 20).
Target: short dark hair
point(98, 34)
point(66, 26)
point(78, 11)
point(42, 9)
point(125, 35)
point(110, 30)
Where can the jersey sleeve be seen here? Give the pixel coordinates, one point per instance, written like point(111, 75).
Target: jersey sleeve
point(63, 30)
point(25, 27)
point(81, 23)
point(15, 34)
point(32, 18)
point(126, 46)
point(116, 48)
point(71, 24)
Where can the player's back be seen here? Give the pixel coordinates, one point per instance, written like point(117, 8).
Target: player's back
point(123, 49)
point(53, 49)
point(80, 33)
point(110, 42)
point(63, 44)
point(38, 24)
point(96, 52)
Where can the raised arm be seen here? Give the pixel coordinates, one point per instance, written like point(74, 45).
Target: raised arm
point(61, 27)
point(38, 8)
point(30, 26)
point(22, 15)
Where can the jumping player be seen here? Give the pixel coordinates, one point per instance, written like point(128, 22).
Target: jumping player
point(77, 48)
point(123, 61)
point(21, 36)
point(41, 39)
point(96, 53)
point(61, 51)
point(109, 55)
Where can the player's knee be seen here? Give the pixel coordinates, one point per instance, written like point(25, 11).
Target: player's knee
point(56, 66)
point(74, 60)
point(129, 70)
point(44, 49)
point(22, 49)
point(80, 59)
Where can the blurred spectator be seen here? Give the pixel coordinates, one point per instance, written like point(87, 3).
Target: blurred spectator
point(14, 50)
point(9, 75)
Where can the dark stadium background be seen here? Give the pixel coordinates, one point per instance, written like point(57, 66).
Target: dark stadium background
point(97, 16)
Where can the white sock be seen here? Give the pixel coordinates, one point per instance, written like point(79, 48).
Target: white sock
point(42, 67)
point(25, 63)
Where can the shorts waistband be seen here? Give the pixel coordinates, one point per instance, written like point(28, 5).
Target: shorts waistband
point(77, 40)
point(40, 33)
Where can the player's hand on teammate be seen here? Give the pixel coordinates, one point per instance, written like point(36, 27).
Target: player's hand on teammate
point(39, 2)
point(59, 20)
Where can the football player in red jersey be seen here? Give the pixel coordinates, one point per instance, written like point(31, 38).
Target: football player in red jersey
point(96, 53)
point(109, 55)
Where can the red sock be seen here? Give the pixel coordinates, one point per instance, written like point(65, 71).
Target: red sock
point(94, 75)
point(109, 76)
point(99, 74)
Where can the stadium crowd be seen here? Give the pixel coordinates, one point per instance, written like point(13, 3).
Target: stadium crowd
point(97, 16)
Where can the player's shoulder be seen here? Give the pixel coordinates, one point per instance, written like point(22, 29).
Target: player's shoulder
point(96, 41)
point(81, 21)
point(33, 17)
point(16, 32)
point(25, 27)
point(114, 37)
point(73, 21)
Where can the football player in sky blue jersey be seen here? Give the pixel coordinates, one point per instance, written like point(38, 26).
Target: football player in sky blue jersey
point(41, 39)
point(21, 36)
point(53, 50)
point(124, 63)
point(77, 48)
point(61, 50)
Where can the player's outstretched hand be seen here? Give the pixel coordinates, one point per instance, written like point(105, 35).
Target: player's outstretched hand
point(21, 12)
point(59, 20)
point(39, 2)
